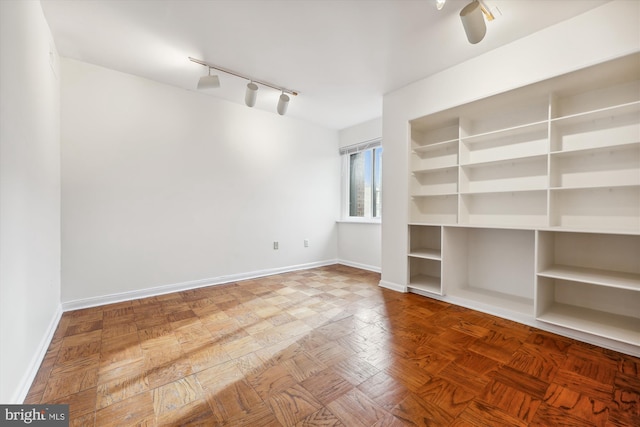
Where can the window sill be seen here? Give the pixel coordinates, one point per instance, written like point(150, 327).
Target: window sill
point(359, 221)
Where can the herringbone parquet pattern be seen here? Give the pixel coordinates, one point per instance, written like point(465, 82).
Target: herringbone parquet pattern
point(325, 347)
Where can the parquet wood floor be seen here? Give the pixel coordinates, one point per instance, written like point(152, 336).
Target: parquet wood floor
point(325, 347)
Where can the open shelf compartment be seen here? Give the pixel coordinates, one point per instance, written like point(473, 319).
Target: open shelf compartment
point(425, 242)
point(590, 308)
point(614, 208)
point(492, 267)
point(424, 274)
point(525, 209)
point(528, 173)
point(441, 209)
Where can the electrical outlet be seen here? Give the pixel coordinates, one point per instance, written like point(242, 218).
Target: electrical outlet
point(275, 245)
point(306, 243)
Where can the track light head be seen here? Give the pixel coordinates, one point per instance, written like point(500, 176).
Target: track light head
point(209, 82)
point(251, 94)
point(283, 103)
point(440, 4)
point(473, 22)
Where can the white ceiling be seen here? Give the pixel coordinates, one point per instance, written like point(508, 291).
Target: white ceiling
point(341, 55)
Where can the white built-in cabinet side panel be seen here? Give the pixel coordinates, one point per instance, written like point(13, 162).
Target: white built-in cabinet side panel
point(455, 271)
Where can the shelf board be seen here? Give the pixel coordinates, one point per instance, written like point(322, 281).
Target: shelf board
point(622, 328)
point(418, 196)
point(436, 169)
point(594, 150)
point(617, 110)
point(593, 187)
point(507, 132)
point(434, 146)
point(426, 253)
point(490, 163)
point(564, 229)
point(528, 190)
point(425, 283)
point(613, 279)
point(498, 299)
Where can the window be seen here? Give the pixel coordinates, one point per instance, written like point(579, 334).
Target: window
point(363, 186)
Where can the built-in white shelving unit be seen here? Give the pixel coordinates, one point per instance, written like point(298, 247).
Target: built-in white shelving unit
point(527, 204)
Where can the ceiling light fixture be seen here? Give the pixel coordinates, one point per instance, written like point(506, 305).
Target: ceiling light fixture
point(283, 103)
point(209, 82)
point(440, 4)
point(472, 16)
point(251, 93)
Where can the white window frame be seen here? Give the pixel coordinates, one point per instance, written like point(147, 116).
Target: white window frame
point(345, 154)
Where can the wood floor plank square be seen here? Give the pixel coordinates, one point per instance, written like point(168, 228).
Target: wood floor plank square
point(415, 411)
point(136, 410)
point(449, 397)
point(385, 390)
point(326, 385)
point(172, 396)
point(510, 400)
point(356, 409)
point(271, 380)
point(236, 399)
point(292, 405)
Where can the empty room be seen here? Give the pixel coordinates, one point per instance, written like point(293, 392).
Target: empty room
point(320, 212)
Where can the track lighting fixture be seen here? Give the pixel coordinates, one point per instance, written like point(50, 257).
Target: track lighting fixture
point(209, 82)
point(472, 16)
point(440, 4)
point(283, 103)
point(251, 93)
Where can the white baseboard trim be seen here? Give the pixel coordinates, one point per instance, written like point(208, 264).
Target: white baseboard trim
point(359, 265)
point(184, 286)
point(36, 360)
point(393, 286)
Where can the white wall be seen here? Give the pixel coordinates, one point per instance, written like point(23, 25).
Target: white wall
point(359, 243)
point(163, 186)
point(29, 195)
point(609, 31)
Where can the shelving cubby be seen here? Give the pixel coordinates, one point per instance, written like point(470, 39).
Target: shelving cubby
point(598, 209)
point(425, 258)
point(506, 144)
point(441, 209)
point(526, 209)
point(590, 282)
point(521, 174)
point(596, 167)
point(433, 182)
point(492, 267)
